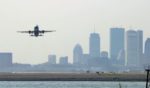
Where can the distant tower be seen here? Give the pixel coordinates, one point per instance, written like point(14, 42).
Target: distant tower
point(116, 42)
point(63, 60)
point(52, 59)
point(5, 60)
point(147, 52)
point(140, 46)
point(134, 47)
point(77, 54)
point(94, 44)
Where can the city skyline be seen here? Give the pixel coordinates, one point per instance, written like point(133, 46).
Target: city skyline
point(132, 39)
point(73, 21)
point(99, 45)
point(94, 36)
point(126, 58)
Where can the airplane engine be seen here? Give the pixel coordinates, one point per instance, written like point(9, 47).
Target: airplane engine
point(42, 31)
point(30, 32)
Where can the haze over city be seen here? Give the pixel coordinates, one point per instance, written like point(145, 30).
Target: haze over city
point(73, 20)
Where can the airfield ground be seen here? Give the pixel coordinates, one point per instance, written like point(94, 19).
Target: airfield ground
point(73, 76)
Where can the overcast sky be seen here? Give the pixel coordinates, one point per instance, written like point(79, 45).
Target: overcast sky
point(72, 19)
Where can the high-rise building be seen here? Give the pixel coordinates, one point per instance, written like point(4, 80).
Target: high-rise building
point(52, 59)
point(63, 60)
point(94, 45)
point(77, 54)
point(147, 52)
point(134, 47)
point(116, 42)
point(140, 46)
point(5, 59)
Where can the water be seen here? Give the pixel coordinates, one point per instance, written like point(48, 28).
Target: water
point(69, 84)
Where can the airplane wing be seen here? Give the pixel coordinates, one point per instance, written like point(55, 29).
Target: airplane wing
point(43, 31)
point(26, 32)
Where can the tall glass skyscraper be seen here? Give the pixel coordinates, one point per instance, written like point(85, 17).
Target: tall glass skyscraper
point(134, 48)
point(116, 42)
point(94, 44)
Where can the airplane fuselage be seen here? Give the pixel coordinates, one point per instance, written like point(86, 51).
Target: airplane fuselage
point(36, 31)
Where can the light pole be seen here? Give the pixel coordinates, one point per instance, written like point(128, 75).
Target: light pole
point(147, 77)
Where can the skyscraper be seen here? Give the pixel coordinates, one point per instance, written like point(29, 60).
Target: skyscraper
point(134, 47)
point(140, 46)
point(116, 42)
point(147, 52)
point(77, 54)
point(94, 43)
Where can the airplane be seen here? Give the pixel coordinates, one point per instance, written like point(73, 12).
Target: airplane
point(36, 32)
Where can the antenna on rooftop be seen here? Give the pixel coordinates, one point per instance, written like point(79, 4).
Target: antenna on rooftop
point(94, 28)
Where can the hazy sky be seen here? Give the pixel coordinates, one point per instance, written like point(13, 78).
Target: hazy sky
point(72, 19)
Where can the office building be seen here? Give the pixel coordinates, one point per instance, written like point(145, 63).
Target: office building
point(77, 54)
point(5, 60)
point(116, 42)
point(52, 59)
point(94, 45)
point(147, 52)
point(134, 48)
point(140, 46)
point(63, 60)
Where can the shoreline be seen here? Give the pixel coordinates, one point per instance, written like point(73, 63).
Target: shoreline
point(135, 77)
